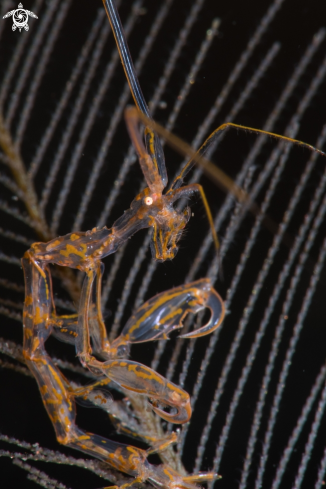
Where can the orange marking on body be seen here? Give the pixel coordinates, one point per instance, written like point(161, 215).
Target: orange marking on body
point(36, 265)
point(108, 241)
point(102, 399)
point(67, 422)
point(172, 314)
point(57, 379)
point(55, 419)
point(159, 302)
point(54, 402)
point(72, 250)
point(36, 246)
point(38, 317)
point(150, 375)
point(74, 237)
point(53, 244)
point(36, 344)
point(122, 460)
point(84, 437)
point(57, 394)
point(43, 361)
point(47, 289)
point(133, 450)
point(28, 333)
point(28, 300)
point(177, 391)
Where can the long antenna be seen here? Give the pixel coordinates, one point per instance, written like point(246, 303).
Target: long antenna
point(127, 63)
point(129, 69)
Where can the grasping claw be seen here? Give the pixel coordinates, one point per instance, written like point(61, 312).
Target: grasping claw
point(136, 377)
point(165, 312)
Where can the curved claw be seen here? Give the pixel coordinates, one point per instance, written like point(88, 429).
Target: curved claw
point(138, 378)
point(182, 415)
point(165, 312)
point(216, 305)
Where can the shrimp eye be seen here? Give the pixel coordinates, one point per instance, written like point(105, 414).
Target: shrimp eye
point(148, 200)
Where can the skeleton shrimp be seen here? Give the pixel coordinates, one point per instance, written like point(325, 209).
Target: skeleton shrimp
point(156, 319)
point(86, 330)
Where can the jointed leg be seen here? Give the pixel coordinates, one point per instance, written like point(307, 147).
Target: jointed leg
point(58, 397)
point(212, 138)
point(90, 321)
point(65, 328)
point(59, 402)
point(52, 385)
point(97, 329)
point(221, 128)
point(54, 388)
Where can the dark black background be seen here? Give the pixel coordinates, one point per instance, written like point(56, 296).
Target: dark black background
point(21, 412)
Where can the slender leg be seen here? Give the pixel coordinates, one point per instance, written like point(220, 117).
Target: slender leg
point(52, 384)
point(36, 313)
point(130, 375)
point(65, 327)
point(97, 329)
point(90, 321)
point(83, 345)
point(215, 134)
point(58, 401)
point(58, 397)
